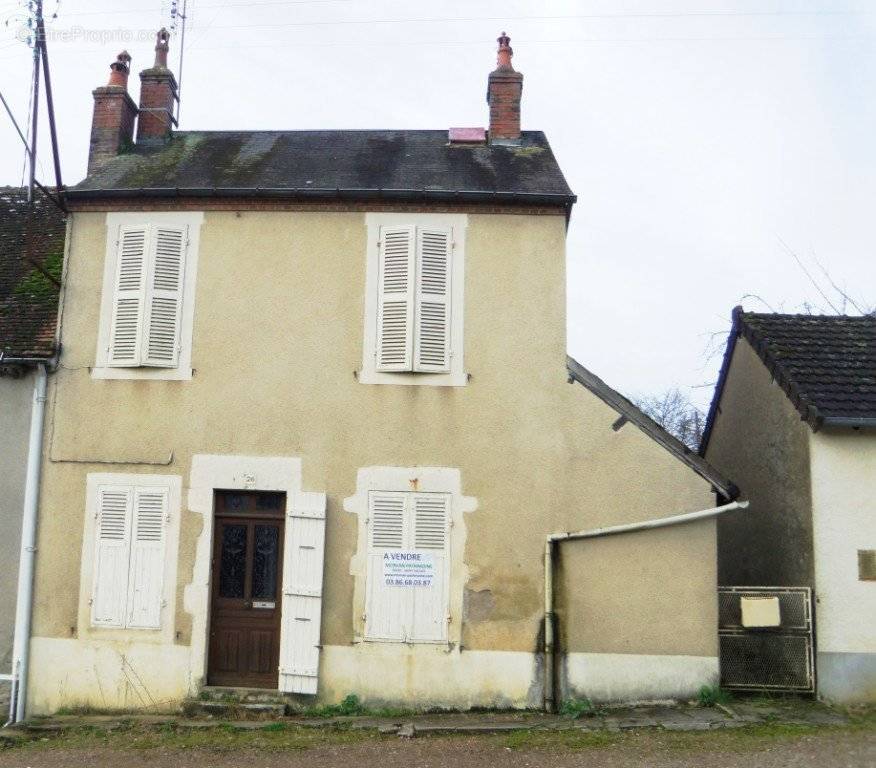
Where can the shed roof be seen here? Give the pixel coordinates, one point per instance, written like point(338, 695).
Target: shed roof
point(632, 413)
point(825, 364)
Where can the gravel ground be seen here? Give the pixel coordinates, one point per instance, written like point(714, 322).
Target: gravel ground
point(829, 748)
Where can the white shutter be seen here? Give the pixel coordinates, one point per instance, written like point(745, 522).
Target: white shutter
point(432, 335)
point(164, 296)
point(387, 608)
point(112, 550)
point(129, 297)
point(146, 580)
point(395, 305)
point(302, 594)
point(431, 521)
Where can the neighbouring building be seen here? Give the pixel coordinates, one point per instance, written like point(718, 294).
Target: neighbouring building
point(314, 423)
point(794, 421)
point(31, 255)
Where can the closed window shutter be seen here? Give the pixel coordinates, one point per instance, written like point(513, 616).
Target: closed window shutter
point(302, 595)
point(129, 297)
point(164, 297)
point(431, 521)
point(432, 336)
point(112, 552)
point(388, 608)
point(146, 579)
point(395, 306)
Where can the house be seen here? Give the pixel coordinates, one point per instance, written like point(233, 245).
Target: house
point(315, 431)
point(794, 420)
point(31, 255)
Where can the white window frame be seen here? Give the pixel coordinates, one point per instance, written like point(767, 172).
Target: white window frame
point(443, 480)
point(95, 481)
point(457, 223)
point(183, 370)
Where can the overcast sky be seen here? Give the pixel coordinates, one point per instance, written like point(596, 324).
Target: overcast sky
point(705, 140)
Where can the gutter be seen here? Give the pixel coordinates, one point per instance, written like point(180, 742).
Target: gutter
point(461, 195)
point(24, 598)
point(550, 696)
point(848, 421)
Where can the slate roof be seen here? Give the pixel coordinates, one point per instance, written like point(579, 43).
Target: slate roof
point(28, 299)
point(826, 364)
point(361, 164)
point(632, 413)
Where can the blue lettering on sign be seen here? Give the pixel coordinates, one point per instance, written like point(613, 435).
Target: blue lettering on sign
point(402, 556)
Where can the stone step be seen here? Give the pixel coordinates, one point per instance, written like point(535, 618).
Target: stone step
point(244, 695)
point(234, 710)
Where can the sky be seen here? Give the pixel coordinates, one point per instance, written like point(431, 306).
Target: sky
point(720, 150)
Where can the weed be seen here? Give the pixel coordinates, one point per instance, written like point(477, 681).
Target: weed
point(710, 695)
point(576, 708)
point(348, 707)
point(274, 727)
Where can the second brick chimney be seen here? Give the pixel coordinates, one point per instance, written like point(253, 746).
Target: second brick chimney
point(158, 92)
point(504, 87)
point(112, 126)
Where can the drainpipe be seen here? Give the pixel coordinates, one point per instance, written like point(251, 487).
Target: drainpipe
point(24, 599)
point(552, 539)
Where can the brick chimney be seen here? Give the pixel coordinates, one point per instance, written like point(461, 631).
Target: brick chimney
point(158, 92)
point(112, 126)
point(504, 87)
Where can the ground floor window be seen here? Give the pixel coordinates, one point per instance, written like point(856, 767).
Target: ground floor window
point(407, 598)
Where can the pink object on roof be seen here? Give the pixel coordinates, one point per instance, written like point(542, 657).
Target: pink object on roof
point(467, 135)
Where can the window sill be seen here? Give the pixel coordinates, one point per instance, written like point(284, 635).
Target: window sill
point(388, 641)
point(452, 379)
point(134, 374)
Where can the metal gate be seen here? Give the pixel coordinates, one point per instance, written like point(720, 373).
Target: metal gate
point(775, 653)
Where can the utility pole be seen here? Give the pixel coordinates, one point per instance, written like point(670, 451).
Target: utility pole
point(38, 14)
point(50, 103)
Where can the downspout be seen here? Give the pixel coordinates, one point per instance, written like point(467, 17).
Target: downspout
point(24, 599)
point(549, 640)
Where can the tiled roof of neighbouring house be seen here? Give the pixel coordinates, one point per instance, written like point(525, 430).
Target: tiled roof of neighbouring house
point(362, 164)
point(31, 256)
point(826, 364)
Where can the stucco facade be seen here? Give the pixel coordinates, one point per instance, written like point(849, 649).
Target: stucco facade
point(16, 395)
point(276, 350)
point(759, 439)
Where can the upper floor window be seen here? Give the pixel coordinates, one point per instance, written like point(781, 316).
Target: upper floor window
point(414, 297)
point(148, 296)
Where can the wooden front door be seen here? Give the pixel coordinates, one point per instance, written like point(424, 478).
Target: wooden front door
point(246, 592)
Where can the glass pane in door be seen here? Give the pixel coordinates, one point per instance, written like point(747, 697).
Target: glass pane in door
point(232, 566)
point(265, 562)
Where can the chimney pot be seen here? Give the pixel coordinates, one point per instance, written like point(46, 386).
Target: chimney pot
point(162, 46)
point(120, 69)
point(504, 88)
